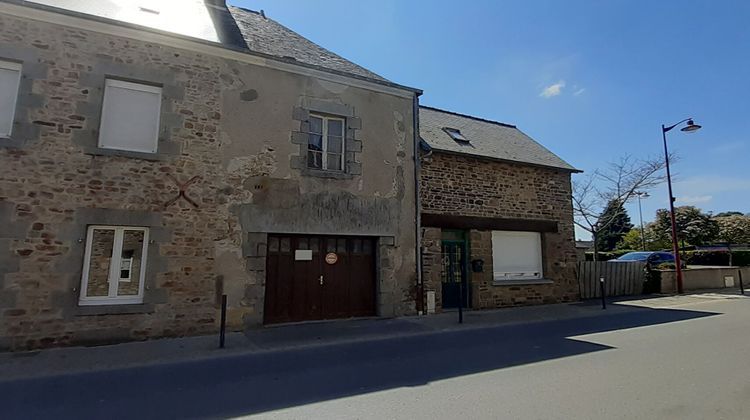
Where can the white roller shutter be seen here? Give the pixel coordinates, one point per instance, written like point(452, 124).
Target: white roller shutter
point(516, 255)
point(10, 77)
point(130, 117)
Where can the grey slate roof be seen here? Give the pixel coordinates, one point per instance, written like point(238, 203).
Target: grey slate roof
point(267, 36)
point(211, 20)
point(488, 139)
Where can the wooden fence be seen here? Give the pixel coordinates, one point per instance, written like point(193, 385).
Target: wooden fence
point(620, 279)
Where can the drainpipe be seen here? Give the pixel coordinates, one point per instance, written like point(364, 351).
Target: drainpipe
point(418, 207)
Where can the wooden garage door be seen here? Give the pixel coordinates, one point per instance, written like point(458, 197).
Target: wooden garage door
point(301, 285)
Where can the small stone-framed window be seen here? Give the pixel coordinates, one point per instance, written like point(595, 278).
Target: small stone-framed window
point(10, 78)
point(325, 145)
point(114, 265)
point(130, 116)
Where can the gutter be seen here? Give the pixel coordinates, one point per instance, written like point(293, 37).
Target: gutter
point(418, 207)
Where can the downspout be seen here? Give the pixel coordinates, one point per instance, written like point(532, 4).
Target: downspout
point(418, 207)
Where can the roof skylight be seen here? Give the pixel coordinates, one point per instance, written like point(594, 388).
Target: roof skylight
point(149, 10)
point(456, 134)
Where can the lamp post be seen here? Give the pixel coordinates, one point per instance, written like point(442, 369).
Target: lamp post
point(642, 194)
point(689, 128)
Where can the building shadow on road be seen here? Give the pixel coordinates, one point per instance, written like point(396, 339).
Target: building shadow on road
point(255, 383)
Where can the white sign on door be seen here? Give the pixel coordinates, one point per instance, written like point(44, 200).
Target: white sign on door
point(303, 255)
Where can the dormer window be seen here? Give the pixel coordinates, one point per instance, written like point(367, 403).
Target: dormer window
point(149, 10)
point(456, 134)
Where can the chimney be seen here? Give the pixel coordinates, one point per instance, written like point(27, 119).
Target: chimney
point(224, 24)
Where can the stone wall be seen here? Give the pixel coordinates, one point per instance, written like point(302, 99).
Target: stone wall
point(465, 186)
point(432, 266)
point(227, 126)
point(451, 184)
point(559, 269)
point(705, 278)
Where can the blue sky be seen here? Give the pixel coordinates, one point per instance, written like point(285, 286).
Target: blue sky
point(591, 80)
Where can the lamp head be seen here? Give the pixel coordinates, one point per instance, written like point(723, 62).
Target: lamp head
point(690, 127)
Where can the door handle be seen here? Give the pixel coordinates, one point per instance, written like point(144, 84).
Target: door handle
point(321, 280)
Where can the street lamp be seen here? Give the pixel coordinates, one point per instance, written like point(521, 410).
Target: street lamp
point(689, 128)
point(642, 194)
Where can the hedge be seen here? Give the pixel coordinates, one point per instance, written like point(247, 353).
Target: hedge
point(720, 258)
point(706, 257)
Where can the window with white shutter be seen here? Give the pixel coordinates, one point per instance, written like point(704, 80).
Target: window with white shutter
point(10, 77)
point(130, 117)
point(516, 255)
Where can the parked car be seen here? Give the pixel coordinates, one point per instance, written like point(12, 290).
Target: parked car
point(652, 259)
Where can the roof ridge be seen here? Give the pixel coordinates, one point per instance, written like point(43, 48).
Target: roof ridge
point(469, 116)
point(364, 70)
point(244, 8)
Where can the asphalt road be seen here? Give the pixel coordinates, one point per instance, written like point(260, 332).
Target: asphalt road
point(667, 363)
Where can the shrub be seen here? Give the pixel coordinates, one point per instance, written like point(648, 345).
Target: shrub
point(720, 258)
point(652, 282)
point(666, 266)
point(706, 257)
point(741, 258)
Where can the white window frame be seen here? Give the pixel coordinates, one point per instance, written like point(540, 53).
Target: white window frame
point(137, 87)
point(324, 160)
point(500, 277)
point(114, 268)
point(13, 66)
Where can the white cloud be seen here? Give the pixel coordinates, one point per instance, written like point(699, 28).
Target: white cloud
point(553, 90)
point(694, 199)
point(579, 91)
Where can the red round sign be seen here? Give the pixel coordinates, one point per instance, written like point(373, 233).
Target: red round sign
point(331, 258)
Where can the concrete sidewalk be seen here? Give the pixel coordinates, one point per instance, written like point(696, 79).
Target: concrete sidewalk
point(73, 360)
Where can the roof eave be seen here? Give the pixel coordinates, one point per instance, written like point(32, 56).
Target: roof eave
point(495, 159)
point(471, 117)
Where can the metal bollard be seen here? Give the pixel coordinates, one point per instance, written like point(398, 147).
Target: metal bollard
point(604, 297)
point(461, 303)
point(223, 327)
point(742, 287)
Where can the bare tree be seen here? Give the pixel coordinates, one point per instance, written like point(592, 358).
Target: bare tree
point(618, 183)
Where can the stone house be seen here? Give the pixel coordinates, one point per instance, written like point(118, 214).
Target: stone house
point(496, 216)
point(156, 156)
